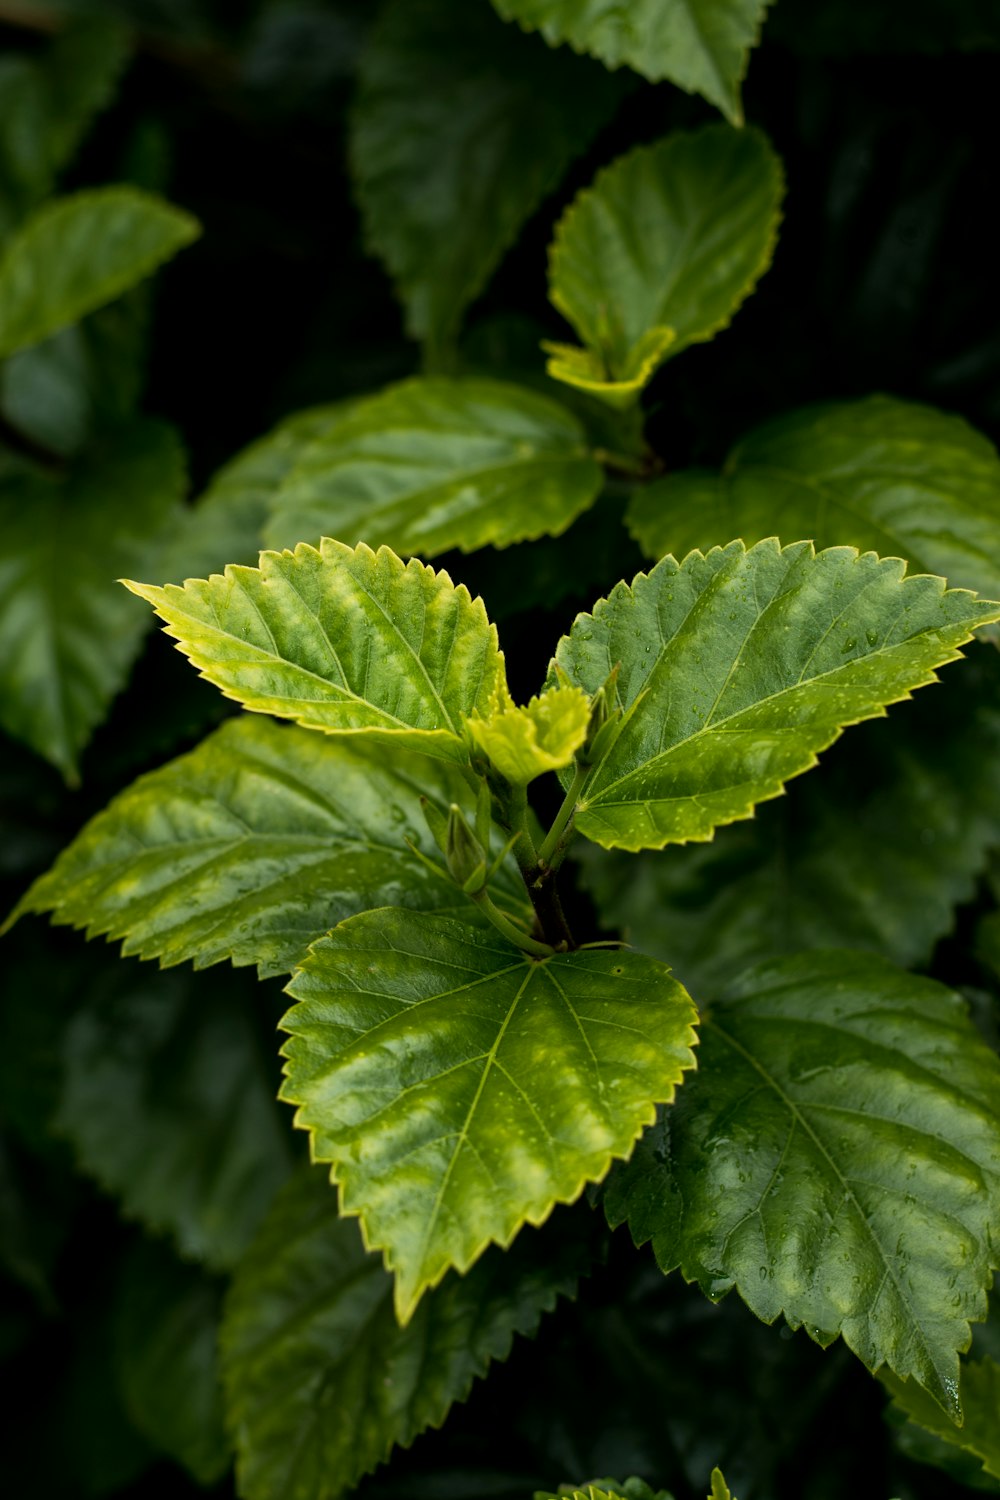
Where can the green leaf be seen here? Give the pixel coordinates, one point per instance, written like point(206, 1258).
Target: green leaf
point(321, 1380)
point(461, 128)
point(168, 1101)
point(738, 667)
point(343, 640)
point(79, 252)
point(522, 743)
point(836, 1158)
point(68, 635)
point(460, 1090)
point(226, 524)
point(432, 464)
point(165, 1328)
point(979, 1435)
point(720, 1489)
point(901, 479)
point(700, 45)
point(876, 849)
point(632, 1488)
point(253, 846)
point(660, 252)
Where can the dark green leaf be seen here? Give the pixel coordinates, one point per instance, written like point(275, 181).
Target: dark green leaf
point(836, 1157)
point(68, 634)
point(433, 464)
point(79, 252)
point(700, 45)
point(660, 252)
point(460, 1090)
point(738, 667)
point(252, 847)
point(321, 1380)
point(166, 1326)
point(343, 640)
point(168, 1101)
point(902, 479)
point(978, 1438)
point(461, 128)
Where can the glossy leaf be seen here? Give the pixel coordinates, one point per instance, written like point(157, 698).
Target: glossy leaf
point(660, 252)
point(168, 1101)
point(700, 45)
point(321, 1380)
point(520, 1081)
point(344, 640)
point(432, 464)
point(461, 128)
point(166, 1325)
point(738, 667)
point(978, 1438)
point(68, 634)
point(79, 252)
point(836, 1158)
point(523, 743)
point(876, 850)
point(902, 479)
point(253, 846)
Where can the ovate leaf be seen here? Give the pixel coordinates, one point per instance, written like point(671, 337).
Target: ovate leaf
point(899, 478)
point(68, 634)
point(660, 251)
point(522, 743)
point(875, 849)
point(344, 640)
point(461, 128)
point(432, 464)
point(252, 847)
point(166, 1325)
point(460, 1090)
point(700, 45)
point(168, 1101)
point(321, 1380)
point(836, 1158)
point(978, 1438)
point(738, 667)
point(79, 252)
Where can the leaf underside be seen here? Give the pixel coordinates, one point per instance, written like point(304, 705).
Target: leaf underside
point(738, 667)
point(343, 640)
point(432, 464)
point(702, 46)
point(890, 475)
point(836, 1158)
point(322, 1381)
point(252, 846)
point(460, 1090)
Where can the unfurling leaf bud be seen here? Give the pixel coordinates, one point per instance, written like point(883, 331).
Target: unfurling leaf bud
point(464, 854)
point(602, 726)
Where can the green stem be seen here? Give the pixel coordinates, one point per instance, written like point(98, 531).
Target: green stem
point(555, 836)
point(513, 933)
point(624, 463)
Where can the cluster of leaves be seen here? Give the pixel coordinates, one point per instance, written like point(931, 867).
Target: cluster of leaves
point(754, 1022)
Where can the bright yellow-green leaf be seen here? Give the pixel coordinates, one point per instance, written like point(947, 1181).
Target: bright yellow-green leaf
point(522, 743)
point(460, 1090)
point(342, 639)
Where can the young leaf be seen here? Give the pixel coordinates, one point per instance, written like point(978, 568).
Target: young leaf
point(461, 128)
point(168, 1102)
point(900, 478)
point(836, 1158)
point(165, 1329)
point(924, 805)
point(520, 1080)
point(660, 251)
point(522, 743)
point(979, 1435)
point(251, 847)
point(632, 1488)
point(432, 464)
point(67, 635)
point(700, 45)
point(343, 640)
point(738, 667)
point(79, 252)
point(321, 1380)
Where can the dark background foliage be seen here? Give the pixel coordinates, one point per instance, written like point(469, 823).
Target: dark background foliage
point(884, 279)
